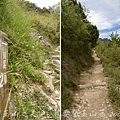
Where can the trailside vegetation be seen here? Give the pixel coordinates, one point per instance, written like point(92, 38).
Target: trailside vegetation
point(109, 53)
point(78, 38)
point(28, 58)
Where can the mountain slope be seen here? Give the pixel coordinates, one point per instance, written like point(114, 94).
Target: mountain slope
point(78, 38)
point(33, 76)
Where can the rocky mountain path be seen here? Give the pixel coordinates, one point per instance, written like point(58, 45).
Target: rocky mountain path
point(91, 102)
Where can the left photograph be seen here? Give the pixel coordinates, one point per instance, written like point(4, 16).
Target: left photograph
point(30, 60)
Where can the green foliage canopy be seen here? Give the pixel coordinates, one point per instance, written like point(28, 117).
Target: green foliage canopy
point(78, 38)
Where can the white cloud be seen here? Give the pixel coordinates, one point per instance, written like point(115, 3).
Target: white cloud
point(99, 19)
point(44, 3)
point(106, 34)
point(105, 14)
point(118, 20)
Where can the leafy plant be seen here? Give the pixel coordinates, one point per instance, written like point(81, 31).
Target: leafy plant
point(110, 57)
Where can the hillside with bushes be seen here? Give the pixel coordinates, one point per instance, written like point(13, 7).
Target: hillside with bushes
point(78, 38)
point(109, 54)
point(34, 59)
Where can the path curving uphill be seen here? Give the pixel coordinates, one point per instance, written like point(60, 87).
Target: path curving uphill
point(91, 102)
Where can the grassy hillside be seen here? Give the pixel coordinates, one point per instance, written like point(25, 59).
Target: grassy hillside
point(27, 58)
point(78, 38)
point(110, 57)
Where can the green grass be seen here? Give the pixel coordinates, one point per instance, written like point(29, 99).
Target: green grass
point(27, 55)
point(33, 107)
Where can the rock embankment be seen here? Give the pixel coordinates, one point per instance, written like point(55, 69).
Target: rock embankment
point(53, 80)
point(51, 72)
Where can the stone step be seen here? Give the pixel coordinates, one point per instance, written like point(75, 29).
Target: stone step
point(55, 57)
point(92, 85)
point(57, 71)
point(56, 63)
point(48, 72)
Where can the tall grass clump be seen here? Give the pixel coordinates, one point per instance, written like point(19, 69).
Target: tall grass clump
point(27, 55)
point(24, 51)
point(109, 54)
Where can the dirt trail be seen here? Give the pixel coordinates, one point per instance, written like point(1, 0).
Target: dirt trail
point(91, 101)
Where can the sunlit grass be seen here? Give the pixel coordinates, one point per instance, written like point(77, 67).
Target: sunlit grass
point(110, 57)
point(27, 55)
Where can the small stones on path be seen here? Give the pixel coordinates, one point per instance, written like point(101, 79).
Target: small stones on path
point(84, 74)
point(91, 102)
point(92, 85)
point(57, 70)
point(49, 84)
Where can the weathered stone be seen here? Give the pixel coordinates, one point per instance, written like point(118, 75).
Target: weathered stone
point(52, 53)
point(50, 100)
point(12, 109)
point(40, 38)
point(55, 57)
point(45, 42)
point(84, 74)
point(56, 82)
point(49, 84)
point(56, 63)
point(57, 70)
point(46, 62)
point(58, 48)
point(57, 92)
point(102, 110)
point(47, 72)
point(66, 113)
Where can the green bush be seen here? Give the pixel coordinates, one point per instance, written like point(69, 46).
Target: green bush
point(78, 38)
point(110, 57)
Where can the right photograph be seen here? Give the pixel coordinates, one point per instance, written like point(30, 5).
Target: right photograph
point(90, 60)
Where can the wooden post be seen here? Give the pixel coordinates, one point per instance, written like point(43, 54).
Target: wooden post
point(3, 72)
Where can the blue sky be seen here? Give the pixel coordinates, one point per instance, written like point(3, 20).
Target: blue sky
point(44, 3)
point(105, 14)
